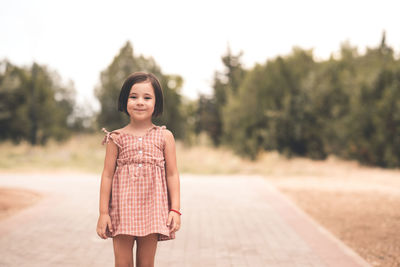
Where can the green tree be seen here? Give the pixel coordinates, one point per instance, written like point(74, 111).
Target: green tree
point(372, 125)
point(209, 114)
point(271, 110)
point(34, 104)
point(347, 106)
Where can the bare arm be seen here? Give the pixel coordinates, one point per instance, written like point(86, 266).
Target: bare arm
point(107, 176)
point(172, 174)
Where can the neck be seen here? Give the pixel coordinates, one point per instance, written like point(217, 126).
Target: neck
point(144, 124)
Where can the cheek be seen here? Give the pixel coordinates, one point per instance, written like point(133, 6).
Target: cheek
point(151, 104)
point(129, 103)
point(129, 106)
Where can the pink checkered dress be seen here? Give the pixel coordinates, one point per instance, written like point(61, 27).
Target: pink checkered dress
point(139, 201)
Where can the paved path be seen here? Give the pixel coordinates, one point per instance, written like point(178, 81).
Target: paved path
point(227, 221)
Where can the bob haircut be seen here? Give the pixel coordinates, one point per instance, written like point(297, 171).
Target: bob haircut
point(138, 77)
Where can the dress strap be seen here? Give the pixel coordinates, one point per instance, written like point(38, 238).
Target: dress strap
point(108, 137)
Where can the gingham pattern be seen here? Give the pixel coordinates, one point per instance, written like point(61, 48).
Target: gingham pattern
point(139, 201)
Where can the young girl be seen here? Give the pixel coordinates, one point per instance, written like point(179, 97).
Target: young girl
point(140, 188)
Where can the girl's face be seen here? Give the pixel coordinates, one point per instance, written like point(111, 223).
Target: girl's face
point(141, 101)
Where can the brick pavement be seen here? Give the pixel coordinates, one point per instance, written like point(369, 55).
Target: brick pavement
point(227, 221)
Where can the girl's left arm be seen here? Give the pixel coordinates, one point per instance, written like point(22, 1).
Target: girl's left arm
point(172, 174)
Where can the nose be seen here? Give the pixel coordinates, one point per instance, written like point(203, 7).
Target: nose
point(140, 101)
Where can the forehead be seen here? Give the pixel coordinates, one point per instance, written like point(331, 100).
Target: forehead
point(142, 88)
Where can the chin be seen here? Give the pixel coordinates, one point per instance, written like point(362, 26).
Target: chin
point(141, 118)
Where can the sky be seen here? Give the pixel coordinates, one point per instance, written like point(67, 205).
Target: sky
point(79, 39)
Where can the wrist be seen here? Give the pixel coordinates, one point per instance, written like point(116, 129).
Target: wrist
point(176, 211)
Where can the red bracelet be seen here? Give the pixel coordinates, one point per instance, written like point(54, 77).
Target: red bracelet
point(175, 211)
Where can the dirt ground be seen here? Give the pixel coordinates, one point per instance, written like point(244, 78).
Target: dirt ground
point(359, 205)
point(13, 200)
point(366, 222)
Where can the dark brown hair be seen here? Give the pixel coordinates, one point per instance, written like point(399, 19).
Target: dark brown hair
point(138, 77)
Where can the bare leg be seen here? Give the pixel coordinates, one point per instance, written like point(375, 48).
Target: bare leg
point(146, 250)
point(123, 250)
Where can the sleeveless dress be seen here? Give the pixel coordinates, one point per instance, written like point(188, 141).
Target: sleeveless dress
point(139, 201)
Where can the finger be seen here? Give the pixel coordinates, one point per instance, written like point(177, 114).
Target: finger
point(176, 223)
point(174, 227)
point(103, 233)
point(110, 226)
point(99, 232)
point(169, 220)
point(177, 226)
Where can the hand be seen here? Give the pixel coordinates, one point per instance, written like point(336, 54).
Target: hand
point(103, 222)
point(174, 221)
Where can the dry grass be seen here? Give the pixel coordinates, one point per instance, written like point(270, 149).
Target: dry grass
point(84, 153)
point(358, 204)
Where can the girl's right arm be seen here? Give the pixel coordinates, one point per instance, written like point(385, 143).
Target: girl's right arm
point(105, 189)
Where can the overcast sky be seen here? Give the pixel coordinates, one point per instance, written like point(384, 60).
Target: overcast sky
point(79, 39)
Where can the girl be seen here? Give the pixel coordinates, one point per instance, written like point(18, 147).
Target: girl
point(139, 193)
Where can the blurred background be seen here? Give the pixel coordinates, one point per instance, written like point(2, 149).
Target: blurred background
point(303, 79)
point(253, 84)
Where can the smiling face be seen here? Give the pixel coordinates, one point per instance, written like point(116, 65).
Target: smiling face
point(141, 101)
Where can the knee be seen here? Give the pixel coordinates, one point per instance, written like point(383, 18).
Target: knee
point(123, 263)
point(145, 263)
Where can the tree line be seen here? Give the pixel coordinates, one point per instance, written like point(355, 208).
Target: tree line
point(347, 105)
point(34, 104)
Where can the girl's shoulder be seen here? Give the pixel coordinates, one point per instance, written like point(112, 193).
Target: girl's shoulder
point(168, 135)
point(164, 130)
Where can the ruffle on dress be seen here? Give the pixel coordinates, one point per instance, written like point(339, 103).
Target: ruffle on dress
point(109, 137)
